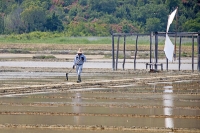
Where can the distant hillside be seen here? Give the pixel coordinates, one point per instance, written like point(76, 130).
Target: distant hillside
point(96, 17)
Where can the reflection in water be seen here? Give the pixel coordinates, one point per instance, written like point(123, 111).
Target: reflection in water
point(168, 102)
point(76, 109)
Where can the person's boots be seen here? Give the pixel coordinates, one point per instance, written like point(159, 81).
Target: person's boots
point(79, 79)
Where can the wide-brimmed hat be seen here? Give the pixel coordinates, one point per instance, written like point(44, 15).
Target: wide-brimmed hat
point(79, 51)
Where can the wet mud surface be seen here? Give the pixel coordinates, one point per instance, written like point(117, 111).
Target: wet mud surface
point(35, 99)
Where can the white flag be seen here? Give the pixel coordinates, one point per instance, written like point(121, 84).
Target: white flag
point(171, 18)
point(169, 48)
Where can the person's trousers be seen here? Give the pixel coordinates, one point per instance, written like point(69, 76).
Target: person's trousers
point(79, 69)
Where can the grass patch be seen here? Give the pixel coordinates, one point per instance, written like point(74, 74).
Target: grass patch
point(44, 57)
point(15, 51)
point(52, 38)
point(108, 56)
point(61, 38)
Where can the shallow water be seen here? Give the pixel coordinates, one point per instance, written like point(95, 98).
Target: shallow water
point(154, 105)
point(99, 120)
point(186, 64)
point(63, 131)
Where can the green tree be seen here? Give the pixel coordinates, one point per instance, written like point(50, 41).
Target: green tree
point(127, 27)
point(34, 18)
point(121, 12)
point(192, 25)
point(141, 2)
point(75, 28)
point(153, 24)
point(156, 1)
point(13, 22)
point(172, 4)
point(68, 2)
point(127, 2)
point(59, 11)
point(53, 23)
point(45, 4)
point(6, 6)
point(109, 19)
point(1, 24)
point(181, 20)
point(106, 6)
point(152, 11)
point(73, 12)
point(83, 2)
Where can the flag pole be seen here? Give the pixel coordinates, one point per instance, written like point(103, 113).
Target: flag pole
point(167, 61)
point(176, 33)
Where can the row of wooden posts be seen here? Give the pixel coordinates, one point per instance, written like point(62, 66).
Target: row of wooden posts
point(192, 35)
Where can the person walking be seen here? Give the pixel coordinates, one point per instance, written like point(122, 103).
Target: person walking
point(79, 60)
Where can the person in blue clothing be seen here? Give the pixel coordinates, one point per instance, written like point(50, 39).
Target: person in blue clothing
point(79, 60)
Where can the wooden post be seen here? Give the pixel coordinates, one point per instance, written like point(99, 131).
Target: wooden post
point(156, 49)
point(179, 60)
point(124, 52)
point(192, 53)
point(135, 53)
point(113, 53)
point(117, 55)
point(198, 41)
point(167, 62)
point(175, 47)
point(151, 34)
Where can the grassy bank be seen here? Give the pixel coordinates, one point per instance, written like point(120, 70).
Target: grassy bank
point(41, 41)
point(142, 40)
point(71, 40)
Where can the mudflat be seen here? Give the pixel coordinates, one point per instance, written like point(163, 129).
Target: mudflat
point(38, 98)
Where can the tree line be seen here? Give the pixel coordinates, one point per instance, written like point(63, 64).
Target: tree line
point(97, 17)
